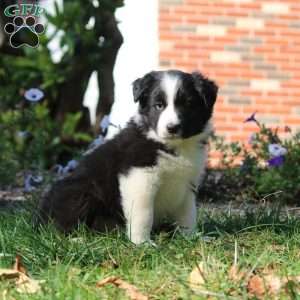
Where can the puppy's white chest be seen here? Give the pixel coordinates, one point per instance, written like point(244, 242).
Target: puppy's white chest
point(178, 175)
point(162, 191)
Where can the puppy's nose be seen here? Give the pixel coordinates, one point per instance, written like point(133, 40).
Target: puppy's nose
point(173, 129)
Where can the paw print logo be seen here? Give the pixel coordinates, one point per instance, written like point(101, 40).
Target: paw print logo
point(27, 28)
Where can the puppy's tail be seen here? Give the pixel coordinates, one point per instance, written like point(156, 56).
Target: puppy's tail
point(66, 204)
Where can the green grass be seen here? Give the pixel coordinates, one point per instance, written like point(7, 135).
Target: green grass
point(72, 265)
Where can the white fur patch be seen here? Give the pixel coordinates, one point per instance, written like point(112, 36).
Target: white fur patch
point(169, 85)
point(153, 194)
point(138, 189)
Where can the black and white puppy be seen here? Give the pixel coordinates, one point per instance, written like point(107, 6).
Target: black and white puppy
point(148, 172)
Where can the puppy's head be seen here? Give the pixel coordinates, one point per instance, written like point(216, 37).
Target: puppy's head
point(176, 105)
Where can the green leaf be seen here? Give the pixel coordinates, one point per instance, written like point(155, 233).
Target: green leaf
point(70, 124)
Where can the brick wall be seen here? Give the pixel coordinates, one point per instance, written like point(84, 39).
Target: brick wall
point(251, 48)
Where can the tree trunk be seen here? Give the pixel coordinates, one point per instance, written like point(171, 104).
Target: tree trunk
point(109, 31)
point(71, 95)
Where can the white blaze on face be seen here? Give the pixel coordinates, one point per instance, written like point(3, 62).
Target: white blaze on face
point(169, 85)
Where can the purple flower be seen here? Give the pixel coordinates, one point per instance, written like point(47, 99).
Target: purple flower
point(252, 119)
point(276, 150)
point(71, 166)
point(95, 144)
point(59, 169)
point(62, 171)
point(104, 122)
point(31, 182)
point(22, 134)
point(33, 95)
point(276, 161)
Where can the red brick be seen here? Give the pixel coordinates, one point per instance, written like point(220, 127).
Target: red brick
point(278, 94)
point(196, 19)
point(277, 41)
point(185, 10)
point(171, 18)
point(251, 6)
point(279, 52)
point(236, 13)
point(225, 40)
point(275, 58)
point(239, 119)
point(244, 66)
point(219, 119)
point(279, 24)
point(239, 32)
point(251, 75)
point(224, 109)
point(290, 17)
point(185, 46)
point(294, 84)
point(291, 121)
point(251, 93)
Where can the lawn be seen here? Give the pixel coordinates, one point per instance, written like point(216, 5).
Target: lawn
point(70, 266)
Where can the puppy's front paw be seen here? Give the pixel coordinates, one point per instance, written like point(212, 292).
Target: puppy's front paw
point(139, 233)
point(140, 240)
point(149, 243)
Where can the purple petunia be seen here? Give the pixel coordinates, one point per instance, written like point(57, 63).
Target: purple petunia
point(105, 123)
point(276, 150)
point(252, 119)
point(34, 95)
point(95, 144)
point(71, 166)
point(22, 134)
point(63, 171)
point(31, 182)
point(277, 153)
point(276, 161)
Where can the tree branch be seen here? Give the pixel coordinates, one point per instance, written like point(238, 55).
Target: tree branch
point(108, 29)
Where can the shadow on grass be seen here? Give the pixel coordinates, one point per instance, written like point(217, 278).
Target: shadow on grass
point(273, 217)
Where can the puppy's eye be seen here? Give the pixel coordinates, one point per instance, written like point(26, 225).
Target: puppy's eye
point(159, 106)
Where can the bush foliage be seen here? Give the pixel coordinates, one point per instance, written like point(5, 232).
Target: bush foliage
point(263, 173)
point(36, 135)
point(30, 140)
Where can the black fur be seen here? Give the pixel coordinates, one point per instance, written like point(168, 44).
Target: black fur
point(91, 194)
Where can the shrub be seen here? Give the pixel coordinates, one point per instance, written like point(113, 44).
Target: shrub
point(31, 140)
point(269, 167)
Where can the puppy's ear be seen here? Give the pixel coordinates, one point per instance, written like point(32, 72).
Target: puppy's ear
point(141, 86)
point(137, 89)
point(206, 89)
